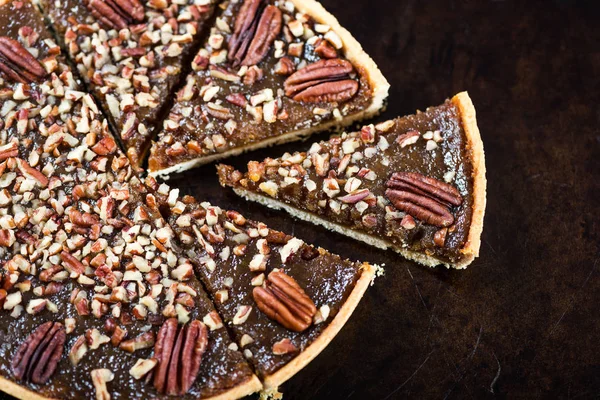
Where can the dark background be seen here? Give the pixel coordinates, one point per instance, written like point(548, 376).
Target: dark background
point(523, 319)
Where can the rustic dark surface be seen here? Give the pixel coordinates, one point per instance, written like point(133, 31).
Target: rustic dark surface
point(523, 320)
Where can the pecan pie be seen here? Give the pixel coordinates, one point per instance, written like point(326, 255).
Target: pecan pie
point(270, 72)
point(283, 299)
point(90, 275)
point(130, 54)
point(414, 184)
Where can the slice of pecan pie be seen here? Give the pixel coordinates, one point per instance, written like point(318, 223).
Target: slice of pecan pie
point(270, 72)
point(283, 299)
point(414, 184)
point(94, 297)
point(130, 54)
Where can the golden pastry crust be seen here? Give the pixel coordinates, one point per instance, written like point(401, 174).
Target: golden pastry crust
point(253, 385)
point(18, 391)
point(476, 153)
point(291, 368)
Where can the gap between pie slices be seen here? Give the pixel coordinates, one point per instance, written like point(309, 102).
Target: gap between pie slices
point(283, 299)
point(271, 71)
point(414, 184)
point(93, 278)
point(130, 54)
point(90, 272)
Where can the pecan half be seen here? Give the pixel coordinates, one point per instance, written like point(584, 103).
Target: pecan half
point(179, 353)
point(255, 30)
point(82, 219)
point(423, 197)
point(322, 81)
point(284, 301)
point(37, 357)
point(116, 14)
point(18, 63)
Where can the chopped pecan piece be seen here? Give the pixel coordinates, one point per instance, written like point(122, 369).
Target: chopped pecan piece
point(82, 219)
point(18, 63)
point(143, 341)
point(9, 150)
point(355, 197)
point(439, 238)
point(322, 81)
point(179, 353)
point(218, 111)
point(71, 263)
point(105, 146)
point(99, 378)
point(423, 197)
point(284, 301)
point(284, 346)
point(37, 357)
point(325, 50)
point(32, 173)
point(255, 30)
point(408, 138)
point(7, 239)
point(237, 99)
point(116, 14)
point(277, 237)
point(285, 66)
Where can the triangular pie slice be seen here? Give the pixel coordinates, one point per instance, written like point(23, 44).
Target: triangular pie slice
point(414, 184)
point(89, 275)
point(130, 54)
point(283, 299)
point(270, 72)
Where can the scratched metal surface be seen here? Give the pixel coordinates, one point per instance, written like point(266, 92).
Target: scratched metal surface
point(523, 320)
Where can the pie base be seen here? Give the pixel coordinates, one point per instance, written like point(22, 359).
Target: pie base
point(471, 248)
point(353, 53)
point(290, 369)
point(253, 385)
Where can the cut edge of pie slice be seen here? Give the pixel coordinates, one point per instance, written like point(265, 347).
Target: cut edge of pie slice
point(470, 249)
point(353, 52)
